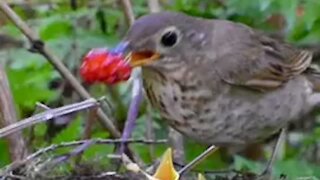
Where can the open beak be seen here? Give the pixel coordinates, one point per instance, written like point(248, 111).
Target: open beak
point(136, 58)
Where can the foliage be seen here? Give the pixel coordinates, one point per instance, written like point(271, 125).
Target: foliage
point(71, 33)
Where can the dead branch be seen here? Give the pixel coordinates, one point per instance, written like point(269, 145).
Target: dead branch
point(8, 42)
point(47, 115)
point(97, 141)
point(133, 110)
point(198, 159)
point(150, 132)
point(38, 46)
point(128, 11)
point(154, 6)
point(136, 88)
point(8, 116)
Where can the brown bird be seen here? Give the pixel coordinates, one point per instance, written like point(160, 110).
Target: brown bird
point(221, 82)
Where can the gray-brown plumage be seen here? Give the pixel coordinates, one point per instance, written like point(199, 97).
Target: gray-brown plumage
point(221, 82)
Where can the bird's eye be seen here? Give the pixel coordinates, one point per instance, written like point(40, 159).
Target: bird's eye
point(169, 39)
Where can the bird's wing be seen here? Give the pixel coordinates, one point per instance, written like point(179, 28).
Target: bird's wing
point(263, 64)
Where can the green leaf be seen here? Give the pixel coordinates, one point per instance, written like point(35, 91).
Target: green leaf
point(27, 83)
point(71, 133)
point(295, 168)
point(55, 29)
point(312, 13)
point(4, 153)
point(194, 149)
point(288, 9)
point(241, 163)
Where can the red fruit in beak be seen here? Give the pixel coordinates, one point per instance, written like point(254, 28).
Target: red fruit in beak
point(100, 65)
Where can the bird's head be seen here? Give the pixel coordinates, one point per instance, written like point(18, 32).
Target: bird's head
point(164, 38)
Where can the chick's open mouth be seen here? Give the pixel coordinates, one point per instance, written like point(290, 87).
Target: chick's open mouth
point(142, 58)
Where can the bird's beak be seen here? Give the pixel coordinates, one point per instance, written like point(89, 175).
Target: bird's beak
point(136, 58)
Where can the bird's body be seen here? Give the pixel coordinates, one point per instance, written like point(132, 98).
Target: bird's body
point(229, 116)
point(222, 83)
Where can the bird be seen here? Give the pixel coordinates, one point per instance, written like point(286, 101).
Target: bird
point(221, 82)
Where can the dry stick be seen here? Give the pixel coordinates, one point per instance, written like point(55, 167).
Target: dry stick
point(88, 124)
point(17, 145)
point(128, 11)
point(154, 6)
point(198, 159)
point(77, 143)
point(75, 152)
point(133, 110)
point(39, 47)
point(94, 141)
point(150, 134)
point(136, 88)
point(176, 139)
point(47, 115)
point(86, 135)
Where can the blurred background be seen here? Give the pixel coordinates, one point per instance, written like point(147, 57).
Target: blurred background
point(70, 28)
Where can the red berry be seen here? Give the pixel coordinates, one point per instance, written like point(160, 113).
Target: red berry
point(99, 65)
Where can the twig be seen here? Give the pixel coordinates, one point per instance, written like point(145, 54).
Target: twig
point(207, 171)
point(176, 141)
point(95, 141)
point(154, 6)
point(39, 47)
point(280, 141)
point(128, 11)
point(82, 145)
point(88, 124)
point(17, 145)
point(8, 42)
point(133, 110)
point(75, 152)
point(12, 176)
point(42, 106)
point(150, 133)
point(137, 85)
point(77, 143)
point(175, 138)
point(47, 115)
point(198, 159)
point(86, 135)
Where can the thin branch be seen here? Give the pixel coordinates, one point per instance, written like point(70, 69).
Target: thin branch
point(154, 6)
point(176, 141)
point(198, 159)
point(150, 132)
point(89, 123)
point(39, 47)
point(97, 141)
point(133, 110)
point(47, 115)
point(75, 152)
point(8, 42)
point(86, 135)
point(128, 11)
point(17, 145)
point(280, 142)
point(136, 88)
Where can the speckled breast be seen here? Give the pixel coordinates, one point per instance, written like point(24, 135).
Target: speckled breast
point(228, 117)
